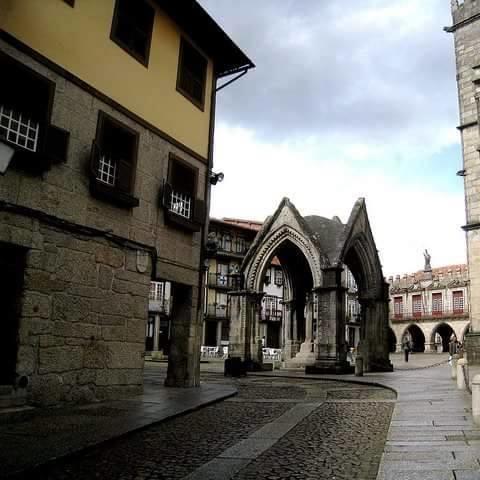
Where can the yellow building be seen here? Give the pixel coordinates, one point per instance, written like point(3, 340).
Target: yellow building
point(106, 131)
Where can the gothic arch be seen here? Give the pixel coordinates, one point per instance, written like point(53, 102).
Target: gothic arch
point(264, 252)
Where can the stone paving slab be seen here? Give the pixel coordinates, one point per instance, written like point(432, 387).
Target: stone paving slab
point(42, 435)
point(432, 419)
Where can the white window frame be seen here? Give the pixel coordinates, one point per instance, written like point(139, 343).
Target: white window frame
point(11, 125)
point(181, 204)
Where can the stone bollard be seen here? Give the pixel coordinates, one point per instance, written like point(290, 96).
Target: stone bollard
point(359, 366)
point(476, 399)
point(460, 375)
point(453, 365)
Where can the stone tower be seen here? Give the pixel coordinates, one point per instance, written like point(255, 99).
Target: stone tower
point(466, 31)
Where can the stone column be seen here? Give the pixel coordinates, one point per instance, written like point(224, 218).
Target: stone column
point(219, 333)
point(306, 346)
point(156, 332)
point(184, 356)
point(287, 329)
point(238, 320)
point(331, 350)
point(245, 340)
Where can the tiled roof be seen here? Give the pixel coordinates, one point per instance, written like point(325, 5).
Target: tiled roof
point(447, 276)
point(238, 222)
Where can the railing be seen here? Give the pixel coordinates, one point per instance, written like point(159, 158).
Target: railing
point(221, 280)
point(217, 311)
point(233, 247)
point(272, 354)
point(429, 313)
point(271, 309)
point(160, 305)
point(213, 352)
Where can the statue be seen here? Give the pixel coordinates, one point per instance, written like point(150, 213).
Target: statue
point(428, 266)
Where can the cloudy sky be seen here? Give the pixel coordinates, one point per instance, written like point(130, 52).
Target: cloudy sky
point(349, 99)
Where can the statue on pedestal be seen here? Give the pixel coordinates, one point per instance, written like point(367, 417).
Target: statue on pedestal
point(428, 266)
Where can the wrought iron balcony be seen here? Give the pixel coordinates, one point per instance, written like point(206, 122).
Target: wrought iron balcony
point(218, 311)
point(231, 282)
point(429, 313)
point(272, 310)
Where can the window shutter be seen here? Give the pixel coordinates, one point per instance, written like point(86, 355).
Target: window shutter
point(165, 194)
point(94, 159)
point(56, 145)
point(124, 176)
point(199, 212)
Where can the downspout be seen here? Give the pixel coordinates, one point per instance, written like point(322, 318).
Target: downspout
point(206, 198)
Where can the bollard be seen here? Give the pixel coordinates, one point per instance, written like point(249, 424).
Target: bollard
point(453, 364)
point(460, 374)
point(476, 399)
point(359, 366)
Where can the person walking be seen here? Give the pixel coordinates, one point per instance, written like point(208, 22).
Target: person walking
point(406, 348)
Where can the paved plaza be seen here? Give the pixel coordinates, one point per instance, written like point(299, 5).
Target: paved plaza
point(281, 424)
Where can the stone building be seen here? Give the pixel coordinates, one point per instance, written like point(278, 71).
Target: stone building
point(466, 33)
point(313, 252)
point(106, 132)
point(234, 237)
point(428, 307)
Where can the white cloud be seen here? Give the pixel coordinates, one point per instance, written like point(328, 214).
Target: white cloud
point(406, 217)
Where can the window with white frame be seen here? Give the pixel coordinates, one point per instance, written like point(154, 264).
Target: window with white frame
point(183, 183)
point(181, 204)
point(398, 307)
point(114, 155)
point(437, 303)
point(278, 277)
point(417, 305)
point(107, 170)
point(156, 291)
point(19, 129)
point(458, 302)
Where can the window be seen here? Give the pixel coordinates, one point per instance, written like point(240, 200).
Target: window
point(458, 302)
point(222, 275)
point(278, 277)
point(437, 303)
point(156, 291)
point(192, 73)
point(113, 161)
point(25, 109)
point(417, 305)
point(398, 307)
point(240, 245)
point(179, 196)
point(226, 242)
point(132, 28)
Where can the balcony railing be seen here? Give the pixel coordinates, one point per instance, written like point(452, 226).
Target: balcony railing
point(272, 310)
point(218, 311)
point(239, 248)
point(159, 305)
point(226, 281)
point(429, 313)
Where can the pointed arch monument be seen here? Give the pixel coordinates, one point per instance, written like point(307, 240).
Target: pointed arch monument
point(313, 252)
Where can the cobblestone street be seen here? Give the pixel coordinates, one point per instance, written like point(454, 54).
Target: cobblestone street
point(274, 428)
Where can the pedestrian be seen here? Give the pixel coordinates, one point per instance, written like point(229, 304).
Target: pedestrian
point(406, 348)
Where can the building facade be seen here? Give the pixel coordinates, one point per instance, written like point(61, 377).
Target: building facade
point(428, 307)
point(106, 131)
point(466, 34)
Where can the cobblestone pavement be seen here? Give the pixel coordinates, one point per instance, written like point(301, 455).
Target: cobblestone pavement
point(343, 437)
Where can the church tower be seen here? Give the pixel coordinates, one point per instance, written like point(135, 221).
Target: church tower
point(466, 32)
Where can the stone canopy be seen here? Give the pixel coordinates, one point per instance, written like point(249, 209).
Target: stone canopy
point(313, 252)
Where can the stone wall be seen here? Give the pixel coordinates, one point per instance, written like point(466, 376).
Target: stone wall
point(84, 304)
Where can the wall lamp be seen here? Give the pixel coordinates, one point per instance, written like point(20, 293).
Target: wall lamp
point(6, 155)
point(461, 173)
point(216, 177)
